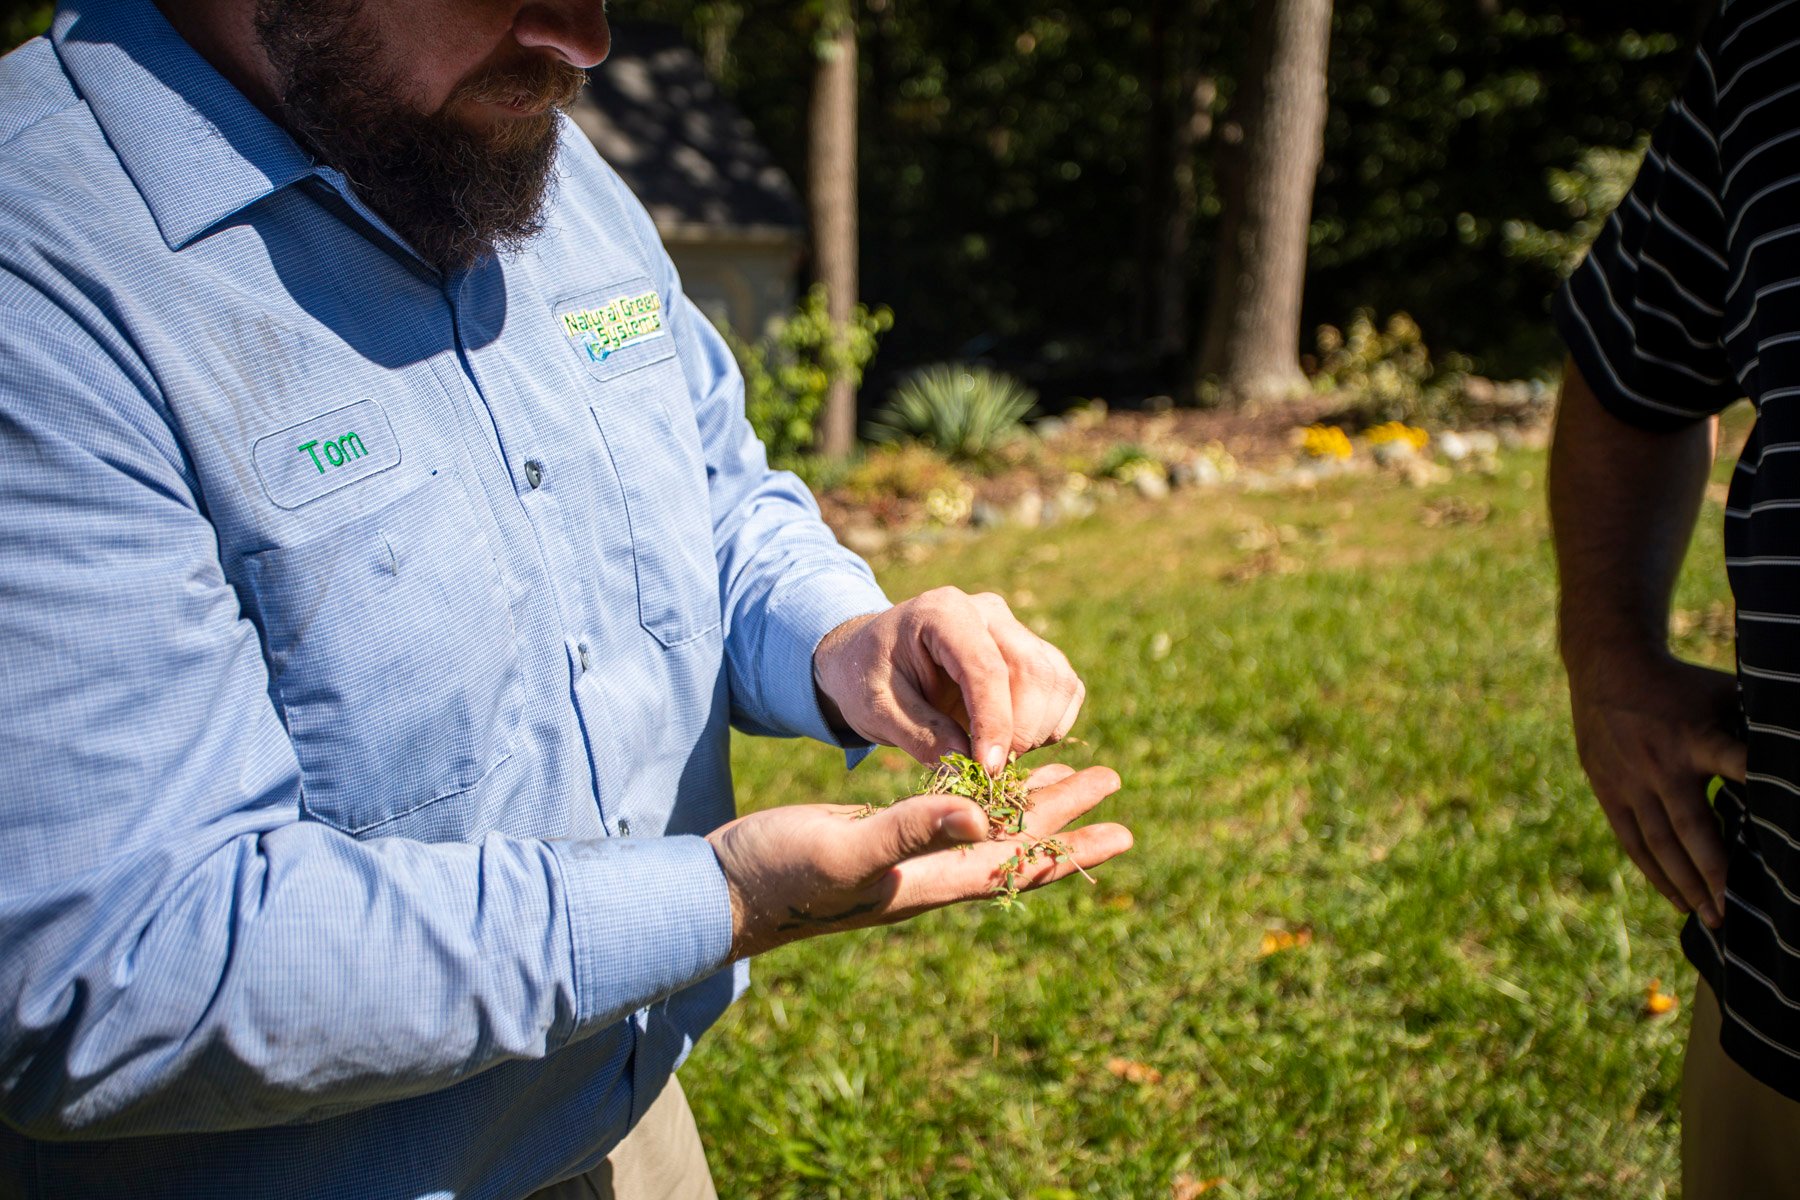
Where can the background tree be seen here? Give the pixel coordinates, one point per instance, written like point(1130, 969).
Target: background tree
point(831, 194)
point(1252, 341)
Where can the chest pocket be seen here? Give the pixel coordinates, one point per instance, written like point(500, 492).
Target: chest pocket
point(653, 444)
point(393, 655)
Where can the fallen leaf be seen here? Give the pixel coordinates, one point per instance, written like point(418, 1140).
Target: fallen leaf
point(1658, 1003)
point(1133, 1072)
point(1454, 510)
point(1277, 940)
point(1187, 1187)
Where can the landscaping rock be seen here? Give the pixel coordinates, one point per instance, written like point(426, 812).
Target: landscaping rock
point(1452, 447)
point(984, 514)
point(1150, 484)
point(1534, 437)
point(1028, 510)
point(1482, 442)
point(1421, 473)
point(865, 540)
point(1391, 454)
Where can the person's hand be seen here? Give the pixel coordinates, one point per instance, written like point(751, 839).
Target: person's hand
point(809, 869)
point(946, 671)
point(1652, 732)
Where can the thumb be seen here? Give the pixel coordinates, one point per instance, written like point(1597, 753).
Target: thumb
point(917, 826)
point(1717, 752)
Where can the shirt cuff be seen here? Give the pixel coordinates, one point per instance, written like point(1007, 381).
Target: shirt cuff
point(798, 623)
point(647, 917)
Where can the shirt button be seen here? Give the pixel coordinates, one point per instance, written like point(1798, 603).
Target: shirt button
point(534, 472)
point(585, 663)
point(624, 827)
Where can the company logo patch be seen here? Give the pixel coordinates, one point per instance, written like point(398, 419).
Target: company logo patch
point(606, 329)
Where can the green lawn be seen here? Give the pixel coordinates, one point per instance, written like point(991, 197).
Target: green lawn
point(1339, 713)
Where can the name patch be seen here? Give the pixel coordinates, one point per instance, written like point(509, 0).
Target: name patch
point(604, 329)
point(337, 449)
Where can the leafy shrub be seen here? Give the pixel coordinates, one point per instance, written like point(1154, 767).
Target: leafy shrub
point(903, 472)
point(894, 480)
point(788, 373)
point(1588, 193)
point(965, 412)
point(1387, 373)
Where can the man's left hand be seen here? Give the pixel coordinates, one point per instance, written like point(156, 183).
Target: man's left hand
point(947, 671)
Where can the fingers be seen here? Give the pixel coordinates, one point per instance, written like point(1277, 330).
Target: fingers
point(1685, 855)
point(1088, 847)
point(1696, 829)
point(1046, 692)
point(1046, 775)
point(1625, 828)
point(1720, 753)
point(964, 649)
point(1069, 799)
point(935, 880)
point(910, 828)
point(919, 728)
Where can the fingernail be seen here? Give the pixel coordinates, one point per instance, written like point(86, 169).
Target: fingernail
point(961, 825)
point(1711, 916)
point(994, 759)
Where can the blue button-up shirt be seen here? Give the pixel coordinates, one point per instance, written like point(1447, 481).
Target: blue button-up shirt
point(369, 642)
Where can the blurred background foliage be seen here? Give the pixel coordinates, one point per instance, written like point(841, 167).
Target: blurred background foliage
point(1004, 180)
point(1011, 162)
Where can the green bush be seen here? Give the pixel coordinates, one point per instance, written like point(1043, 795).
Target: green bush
point(1588, 193)
point(1386, 373)
point(964, 412)
point(788, 373)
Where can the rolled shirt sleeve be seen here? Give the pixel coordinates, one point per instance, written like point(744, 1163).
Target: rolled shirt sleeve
point(179, 950)
point(1643, 316)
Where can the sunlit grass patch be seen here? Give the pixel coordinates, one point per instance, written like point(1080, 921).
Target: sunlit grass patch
point(1365, 743)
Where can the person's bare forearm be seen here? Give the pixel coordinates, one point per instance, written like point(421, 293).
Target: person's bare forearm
point(1623, 502)
point(1650, 730)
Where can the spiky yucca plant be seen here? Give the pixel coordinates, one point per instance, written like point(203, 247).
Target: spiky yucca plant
point(965, 412)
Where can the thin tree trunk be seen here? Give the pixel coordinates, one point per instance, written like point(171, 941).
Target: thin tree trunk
point(831, 196)
point(1252, 343)
point(1180, 120)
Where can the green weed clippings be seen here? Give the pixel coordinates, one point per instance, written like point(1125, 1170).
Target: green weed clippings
point(1005, 800)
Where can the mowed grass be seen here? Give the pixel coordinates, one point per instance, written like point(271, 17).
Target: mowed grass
point(1339, 713)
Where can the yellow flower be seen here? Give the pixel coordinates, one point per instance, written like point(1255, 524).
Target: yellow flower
point(1325, 441)
point(1396, 431)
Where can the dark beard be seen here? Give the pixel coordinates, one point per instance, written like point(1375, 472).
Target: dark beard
point(454, 194)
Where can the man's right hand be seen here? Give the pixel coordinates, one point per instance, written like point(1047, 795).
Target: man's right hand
point(803, 870)
point(1652, 732)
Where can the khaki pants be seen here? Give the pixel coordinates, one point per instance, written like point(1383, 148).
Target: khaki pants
point(660, 1159)
point(1740, 1139)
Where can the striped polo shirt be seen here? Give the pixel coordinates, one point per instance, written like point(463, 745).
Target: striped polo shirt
point(1689, 300)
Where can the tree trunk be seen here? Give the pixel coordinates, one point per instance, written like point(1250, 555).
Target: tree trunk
point(831, 197)
point(1252, 342)
point(1180, 121)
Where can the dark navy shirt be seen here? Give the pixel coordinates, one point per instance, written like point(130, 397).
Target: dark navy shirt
point(1689, 301)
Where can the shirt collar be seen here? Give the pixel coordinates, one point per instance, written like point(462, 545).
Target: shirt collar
point(195, 147)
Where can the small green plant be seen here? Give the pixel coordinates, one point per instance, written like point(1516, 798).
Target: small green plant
point(966, 412)
point(1386, 372)
point(908, 472)
point(1588, 193)
point(1006, 801)
point(1124, 461)
point(788, 373)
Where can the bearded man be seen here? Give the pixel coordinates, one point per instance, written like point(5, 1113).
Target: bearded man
point(384, 556)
